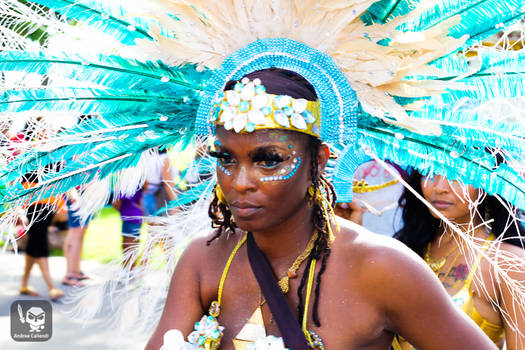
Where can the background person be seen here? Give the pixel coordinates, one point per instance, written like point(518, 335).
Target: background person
point(73, 243)
point(483, 296)
point(131, 215)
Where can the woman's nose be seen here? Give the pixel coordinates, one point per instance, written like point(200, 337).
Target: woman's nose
point(243, 180)
point(441, 184)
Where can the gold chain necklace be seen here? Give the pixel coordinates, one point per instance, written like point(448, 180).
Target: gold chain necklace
point(284, 282)
point(437, 264)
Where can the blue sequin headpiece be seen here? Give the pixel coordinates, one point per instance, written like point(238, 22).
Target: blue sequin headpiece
point(339, 104)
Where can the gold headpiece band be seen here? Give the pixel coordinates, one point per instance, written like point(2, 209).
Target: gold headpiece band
point(248, 107)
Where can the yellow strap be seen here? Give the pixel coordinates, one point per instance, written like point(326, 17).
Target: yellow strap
point(472, 272)
point(311, 274)
point(227, 268)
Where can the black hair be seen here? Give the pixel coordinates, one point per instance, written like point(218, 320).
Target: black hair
point(281, 82)
point(421, 228)
point(278, 82)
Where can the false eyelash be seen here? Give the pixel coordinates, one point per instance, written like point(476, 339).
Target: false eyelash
point(219, 155)
point(262, 156)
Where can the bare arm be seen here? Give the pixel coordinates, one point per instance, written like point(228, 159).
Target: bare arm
point(117, 204)
point(183, 306)
point(514, 314)
point(352, 211)
point(417, 306)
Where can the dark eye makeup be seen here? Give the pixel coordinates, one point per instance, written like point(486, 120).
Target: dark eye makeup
point(222, 157)
point(265, 157)
point(268, 158)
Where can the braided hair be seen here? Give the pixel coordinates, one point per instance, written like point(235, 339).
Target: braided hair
point(289, 83)
point(321, 250)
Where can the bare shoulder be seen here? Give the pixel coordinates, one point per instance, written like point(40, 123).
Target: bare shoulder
point(208, 248)
point(375, 254)
point(503, 256)
point(513, 250)
point(385, 272)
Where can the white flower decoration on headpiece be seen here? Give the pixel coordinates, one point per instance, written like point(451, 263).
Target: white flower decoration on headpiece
point(245, 106)
point(248, 105)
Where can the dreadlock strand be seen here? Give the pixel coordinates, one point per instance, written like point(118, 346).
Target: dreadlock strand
point(221, 218)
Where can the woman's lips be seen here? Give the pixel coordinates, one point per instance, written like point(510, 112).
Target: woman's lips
point(441, 204)
point(244, 210)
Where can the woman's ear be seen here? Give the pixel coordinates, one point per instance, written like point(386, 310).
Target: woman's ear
point(322, 157)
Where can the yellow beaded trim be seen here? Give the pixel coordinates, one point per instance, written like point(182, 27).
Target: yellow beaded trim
point(362, 186)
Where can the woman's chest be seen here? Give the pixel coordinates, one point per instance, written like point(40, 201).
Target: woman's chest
point(474, 291)
point(347, 318)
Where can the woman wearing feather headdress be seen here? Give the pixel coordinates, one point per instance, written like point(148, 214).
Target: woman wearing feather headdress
point(389, 76)
point(271, 211)
point(488, 301)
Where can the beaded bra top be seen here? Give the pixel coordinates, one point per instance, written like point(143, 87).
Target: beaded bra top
point(464, 299)
point(208, 333)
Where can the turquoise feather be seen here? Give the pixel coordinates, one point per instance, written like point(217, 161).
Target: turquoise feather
point(385, 10)
point(104, 17)
point(103, 162)
point(488, 61)
point(479, 19)
point(474, 166)
point(109, 71)
point(87, 101)
point(92, 151)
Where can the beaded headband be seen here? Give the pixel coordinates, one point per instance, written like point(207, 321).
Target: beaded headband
point(248, 107)
point(338, 102)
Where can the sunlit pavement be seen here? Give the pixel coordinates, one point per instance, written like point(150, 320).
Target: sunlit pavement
point(67, 333)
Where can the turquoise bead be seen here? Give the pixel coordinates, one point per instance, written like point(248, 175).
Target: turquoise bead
point(244, 106)
point(260, 89)
point(266, 110)
point(308, 117)
point(201, 340)
point(250, 127)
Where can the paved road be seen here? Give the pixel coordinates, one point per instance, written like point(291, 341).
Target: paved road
point(67, 333)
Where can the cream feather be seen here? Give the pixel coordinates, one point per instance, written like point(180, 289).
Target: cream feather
point(208, 32)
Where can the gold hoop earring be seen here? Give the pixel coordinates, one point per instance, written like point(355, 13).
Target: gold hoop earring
point(219, 194)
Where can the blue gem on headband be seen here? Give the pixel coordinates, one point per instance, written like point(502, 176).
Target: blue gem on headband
point(339, 104)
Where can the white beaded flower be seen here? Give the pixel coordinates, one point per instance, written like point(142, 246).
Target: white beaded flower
point(174, 340)
point(269, 343)
point(207, 333)
point(245, 106)
point(248, 105)
point(292, 112)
